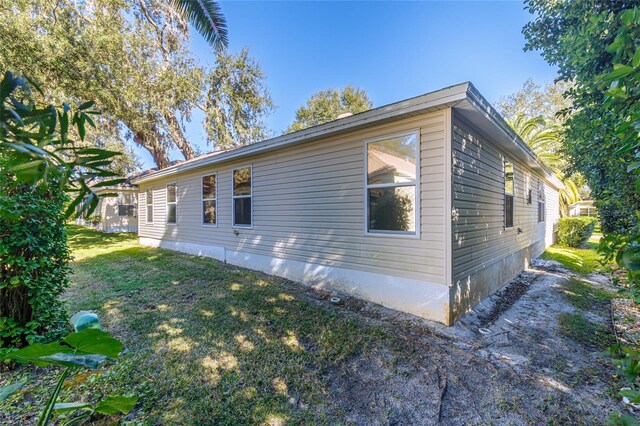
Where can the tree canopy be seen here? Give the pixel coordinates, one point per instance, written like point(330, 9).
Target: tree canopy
point(327, 105)
point(132, 57)
point(595, 47)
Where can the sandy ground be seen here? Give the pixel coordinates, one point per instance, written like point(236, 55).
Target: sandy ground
point(504, 363)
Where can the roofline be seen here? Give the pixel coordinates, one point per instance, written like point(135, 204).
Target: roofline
point(448, 97)
point(480, 103)
point(441, 98)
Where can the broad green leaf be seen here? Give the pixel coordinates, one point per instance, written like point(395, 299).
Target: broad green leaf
point(33, 354)
point(65, 407)
point(636, 58)
point(619, 71)
point(71, 360)
point(7, 391)
point(93, 341)
point(86, 105)
point(116, 404)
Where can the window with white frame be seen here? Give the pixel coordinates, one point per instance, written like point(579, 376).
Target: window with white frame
point(242, 197)
point(542, 210)
point(126, 205)
point(172, 205)
point(527, 187)
point(149, 202)
point(209, 200)
point(392, 184)
point(508, 194)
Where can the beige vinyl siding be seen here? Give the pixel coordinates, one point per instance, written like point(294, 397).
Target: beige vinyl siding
point(107, 209)
point(485, 253)
point(479, 235)
point(309, 205)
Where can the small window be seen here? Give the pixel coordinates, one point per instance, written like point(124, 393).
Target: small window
point(527, 186)
point(209, 200)
point(171, 203)
point(392, 185)
point(242, 197)
point(149, 205)
point(126, 205)
point(542, 209)
point(508, 195)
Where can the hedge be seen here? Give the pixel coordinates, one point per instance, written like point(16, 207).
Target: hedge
point(575, 231)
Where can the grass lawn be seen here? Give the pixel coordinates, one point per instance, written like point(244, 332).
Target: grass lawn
point(205, 342)
point(580, 260)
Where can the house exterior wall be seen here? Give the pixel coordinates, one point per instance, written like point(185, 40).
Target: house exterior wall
point(110, 221)
point(485, 254)
point(309, 219)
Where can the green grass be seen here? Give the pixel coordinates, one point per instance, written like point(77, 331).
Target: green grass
point(585, 332)
point(205, 342)
point(580, 260)
point(585, 296)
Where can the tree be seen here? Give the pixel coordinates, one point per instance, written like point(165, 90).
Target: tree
point(327, 105)
point(131, 56)
point(594, 46)
point(206, 17)
point(237, 101)
point(546, 141)
point(534, 101)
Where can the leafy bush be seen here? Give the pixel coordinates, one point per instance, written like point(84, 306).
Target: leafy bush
point(94, 220)
point(35, 261)
point(40, 162)
point(575, 231)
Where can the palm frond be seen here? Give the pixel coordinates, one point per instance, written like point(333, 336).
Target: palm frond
point(206, 16)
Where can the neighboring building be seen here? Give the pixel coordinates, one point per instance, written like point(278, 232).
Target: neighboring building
point(426, 206)
point(117, 213)
point(583, 208)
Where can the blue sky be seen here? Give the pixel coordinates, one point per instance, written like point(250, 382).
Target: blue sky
point(393, 50)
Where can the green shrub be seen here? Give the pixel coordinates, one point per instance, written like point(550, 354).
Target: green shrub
point(575, 231)
point(35, 261)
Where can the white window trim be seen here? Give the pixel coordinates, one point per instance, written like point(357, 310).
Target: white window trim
point(167, 203)
point(541, 192)
point(233, 197)
point(146, 206)
point(202, 200)
point(513, 193)
point(392, 234)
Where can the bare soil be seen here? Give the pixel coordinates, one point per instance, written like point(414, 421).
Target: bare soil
point(504, 363)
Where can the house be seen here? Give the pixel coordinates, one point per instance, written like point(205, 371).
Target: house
point(425, 206)
point(583, 208)
point(115, 213)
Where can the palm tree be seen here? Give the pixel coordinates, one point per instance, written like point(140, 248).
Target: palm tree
point(206, 17)
point(545, 139)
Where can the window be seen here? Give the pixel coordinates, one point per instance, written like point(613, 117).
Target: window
point(126, 205)
point(242, 197)
point(209, 200)
point(527, 185)
point(392, 185)
point(542, 210)
point(508, 194)
point(171, 203)
point(149, 205)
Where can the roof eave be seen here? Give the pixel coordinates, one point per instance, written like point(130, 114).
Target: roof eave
point(431, 101)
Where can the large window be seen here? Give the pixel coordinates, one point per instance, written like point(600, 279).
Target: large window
point(172, 207)
point(209, 200)
point(508, 195)
point(392, 185)
point(126, 205)
point(542, 210)
point(149, 201)
point(242, 215)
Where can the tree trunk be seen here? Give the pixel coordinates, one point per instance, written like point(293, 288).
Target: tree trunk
point(178, 137)
point(157, 151)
